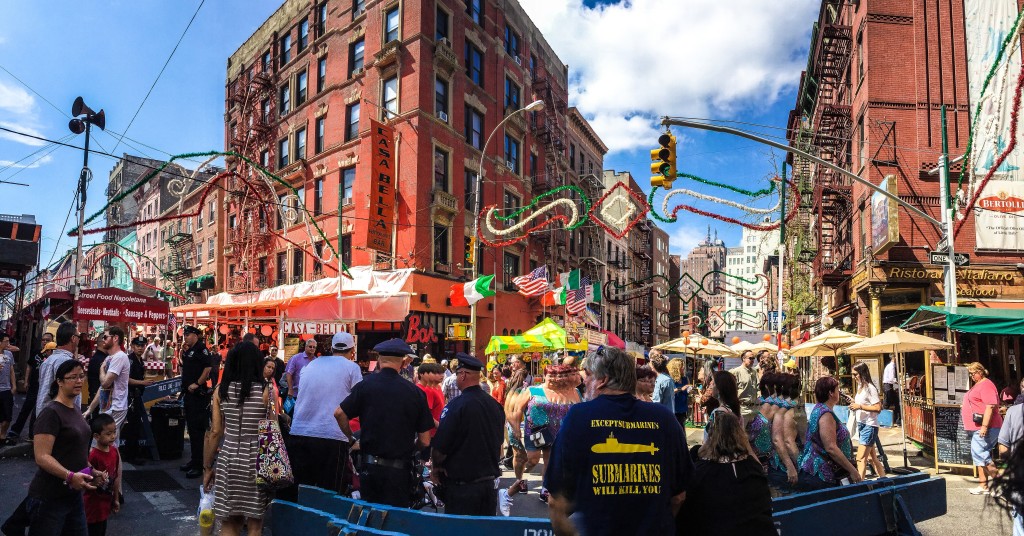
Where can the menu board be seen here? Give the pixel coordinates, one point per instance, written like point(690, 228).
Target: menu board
point(291, 347)
point(952, 444)
point(949, 384)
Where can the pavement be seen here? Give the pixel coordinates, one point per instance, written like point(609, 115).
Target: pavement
point(160, 500)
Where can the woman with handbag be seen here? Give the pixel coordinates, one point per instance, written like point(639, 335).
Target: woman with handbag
point(240, 402)
point(826, 459)
point(543, 407)
point(867, 405)
point(982, 421)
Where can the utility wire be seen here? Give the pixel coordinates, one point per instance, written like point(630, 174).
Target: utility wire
point(148, 93)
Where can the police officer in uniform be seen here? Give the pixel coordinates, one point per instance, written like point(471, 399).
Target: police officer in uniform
point(395, 422)
point(196, 365)
point(466, 448)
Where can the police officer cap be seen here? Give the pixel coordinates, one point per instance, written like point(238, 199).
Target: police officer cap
point(393, 347)
point(139, 341)
point(468, 362)
point(193, 330)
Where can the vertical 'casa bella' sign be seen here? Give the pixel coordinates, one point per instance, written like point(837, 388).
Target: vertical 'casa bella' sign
point(382, 184)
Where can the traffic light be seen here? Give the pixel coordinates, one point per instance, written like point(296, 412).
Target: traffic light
point(471, 250)
point(663, 161)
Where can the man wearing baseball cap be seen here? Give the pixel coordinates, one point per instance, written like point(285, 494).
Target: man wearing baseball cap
point(317, 447)
point(391, 412)
point(196, 367)
point(467, 446)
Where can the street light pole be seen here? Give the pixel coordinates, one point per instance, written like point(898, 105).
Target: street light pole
point(947, 218)
point(534, 106)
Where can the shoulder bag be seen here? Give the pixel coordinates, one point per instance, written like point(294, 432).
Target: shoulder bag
point(273, 469)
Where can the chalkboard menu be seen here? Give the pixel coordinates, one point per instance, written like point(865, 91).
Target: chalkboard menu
point(952, 445)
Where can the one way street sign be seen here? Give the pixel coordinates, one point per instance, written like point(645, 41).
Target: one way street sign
point(959, 259)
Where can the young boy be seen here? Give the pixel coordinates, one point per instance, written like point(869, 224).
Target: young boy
point(105, 460)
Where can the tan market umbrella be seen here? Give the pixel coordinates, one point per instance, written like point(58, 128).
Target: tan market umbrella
point(897, 341)
point(755, 347)
point(713, 347)
point(827, 343)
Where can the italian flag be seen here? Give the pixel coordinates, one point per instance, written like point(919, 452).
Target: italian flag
point(466, 294)
point(570, 280)
point(554, 297)
point(594, 293)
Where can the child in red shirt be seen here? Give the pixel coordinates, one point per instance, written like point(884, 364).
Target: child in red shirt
point(104, 460)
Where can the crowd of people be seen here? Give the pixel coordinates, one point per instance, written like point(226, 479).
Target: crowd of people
point(607, 434)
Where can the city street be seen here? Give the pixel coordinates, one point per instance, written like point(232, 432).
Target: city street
point(160, 500)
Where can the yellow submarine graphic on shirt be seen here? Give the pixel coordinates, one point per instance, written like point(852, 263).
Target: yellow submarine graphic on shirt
point(612, 446)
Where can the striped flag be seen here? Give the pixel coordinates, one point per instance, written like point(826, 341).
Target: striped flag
point(575, 301)
point(592, 318)
point(534, 283)
point(570, 280)
point(554, 297)
point(172, 322)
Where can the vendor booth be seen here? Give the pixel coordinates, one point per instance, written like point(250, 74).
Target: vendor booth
point(538, 346)
point(288, 314)
point(936, 382)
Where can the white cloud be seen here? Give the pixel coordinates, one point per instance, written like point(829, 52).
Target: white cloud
point(18, 112)
point(28, 164)
point(632, 62)
point(683, 238)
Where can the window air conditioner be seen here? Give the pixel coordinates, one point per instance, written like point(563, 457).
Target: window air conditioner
point(442, 116)
point(519, 61)
point(446, 42)
point(510, 165)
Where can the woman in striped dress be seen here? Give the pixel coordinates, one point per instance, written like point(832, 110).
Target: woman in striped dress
point(241, 400)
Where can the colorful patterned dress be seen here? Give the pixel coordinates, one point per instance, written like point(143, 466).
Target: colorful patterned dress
point(759, 431)
point(541, 412)
point(815, 460)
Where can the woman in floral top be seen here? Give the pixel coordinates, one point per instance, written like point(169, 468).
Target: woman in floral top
point(827, 457)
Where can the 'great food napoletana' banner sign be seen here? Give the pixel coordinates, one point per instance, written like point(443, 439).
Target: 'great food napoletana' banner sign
point(116, 305)
point(999, 216)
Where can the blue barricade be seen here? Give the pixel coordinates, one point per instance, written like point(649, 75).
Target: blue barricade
point(883, 506)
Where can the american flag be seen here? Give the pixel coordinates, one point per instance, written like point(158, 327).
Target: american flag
point(172, 322)
point(534, 283)
point(575, 301)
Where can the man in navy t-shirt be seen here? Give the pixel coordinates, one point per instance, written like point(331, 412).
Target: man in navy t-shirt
point(619, 463)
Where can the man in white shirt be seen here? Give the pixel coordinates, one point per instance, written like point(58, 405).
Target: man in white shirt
point(890, 391)
point(112, 398)
point(316, 445)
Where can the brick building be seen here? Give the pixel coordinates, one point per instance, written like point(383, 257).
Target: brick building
point(299, 97)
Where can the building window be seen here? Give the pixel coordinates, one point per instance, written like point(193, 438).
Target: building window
point(474, 63)
point(300, 144)
point(440, 169)
point(300, 204)
point(533, 165)
point(348, 182)
point(572, 157)
point(321, 74)
point(355, 57)
point(232, 222)
point(346, 249)
point(358, 7)
point(510, 266)
point(351, 121)
point(474, 8)
point(279, 220)
point(512, 153)
point(286, 49)
point(441, 98)
point(441, 24)
point(318, 140)
point(209, 250)
point(303, 34)
point(282, 268)
point(286, 99)
point(265, 158)
point(512, 92)
point(511, 42)
point(512, 204)
point(391, 25)
point(471, 186)
point(297, 258)
point(860, 57)
point(318, 197)
point(474, 128)
point(533, 65)
point(199, 222)
point(210, 213)
point(266, 61)
point(300, 93)
point(390, 98)
point(282, 151)
point(862, 142)
point(265, 105)
point(441, 243)
point(321, 19)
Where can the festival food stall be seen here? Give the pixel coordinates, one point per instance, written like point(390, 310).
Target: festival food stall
point(935, 387)
point(537, 346)
point(288, 314)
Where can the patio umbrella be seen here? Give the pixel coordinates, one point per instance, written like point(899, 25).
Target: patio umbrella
point(827, 343)
point(897, 341)
point(755, 347)
point(713, 347)
point(614, 340)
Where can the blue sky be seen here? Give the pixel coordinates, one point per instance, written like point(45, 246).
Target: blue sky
point(739, 62)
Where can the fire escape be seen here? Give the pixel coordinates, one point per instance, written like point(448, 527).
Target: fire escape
point(178, 271)
point(549, 130)
point(832, 125)
point(251, 198)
